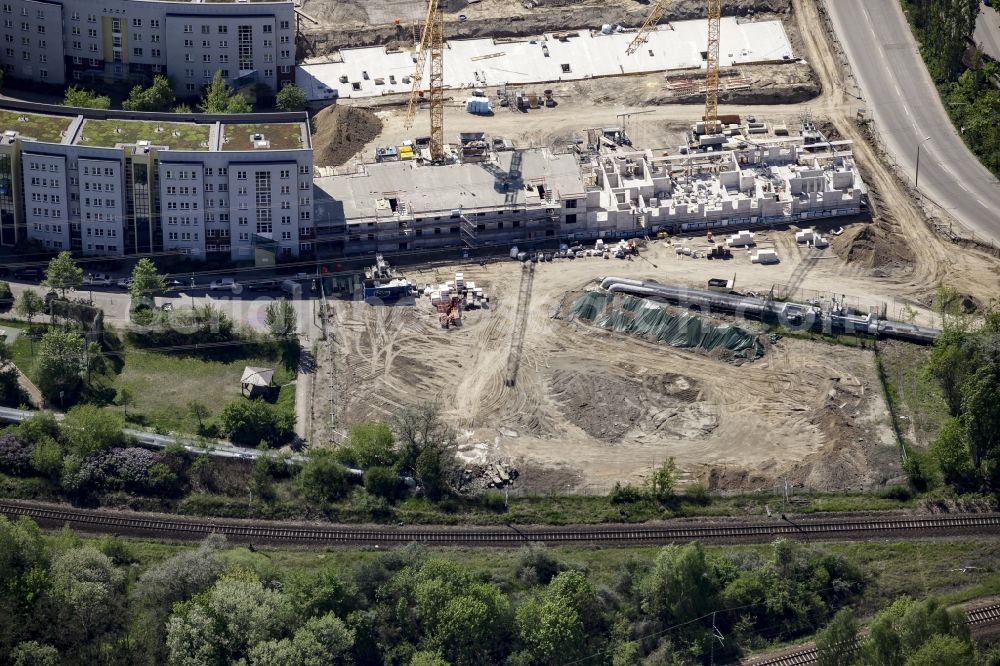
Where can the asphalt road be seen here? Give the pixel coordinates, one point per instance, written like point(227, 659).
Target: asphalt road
point(987, 34)
point(904, 103)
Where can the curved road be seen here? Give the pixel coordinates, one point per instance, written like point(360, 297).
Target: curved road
point(906, 108)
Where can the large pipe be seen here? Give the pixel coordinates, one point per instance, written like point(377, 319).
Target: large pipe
point(793, 315)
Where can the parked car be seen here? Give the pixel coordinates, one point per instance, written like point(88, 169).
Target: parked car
point(125, 283)
point(98, 280)
point(172, 285)
point(30, 274)
point(264, 285)
point(225, 284)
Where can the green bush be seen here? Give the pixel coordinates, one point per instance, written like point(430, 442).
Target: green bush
point(250, 422)
point(382, 482)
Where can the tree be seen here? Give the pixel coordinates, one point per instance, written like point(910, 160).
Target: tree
point(382, 482)
point(87, 590)
point(249, 422)
point(29, 305)
point(32, 653)
point(221, 625)
point(427, 659)
point(63, 274)
point(942, 649)
point(220, 98)
point(369, 444)
point(322, 478)
point(11, 393)
point(418, 427)
point(147, 282)
point(47, 458)
point(980, 420)
point(85, 99)
point(681, 586)
point(280, 317)
point(157, 97)
point(551, 629)
point(199, 411)
point(951, 451)
point(321, 641)
point(182, 108)
point(181, 576)
point(60, 364)
point(292, 98)
point(836, 645)
point(661, 484)
point(430, 475)
point(6, 296)
point(88, 429)
point(123, 398)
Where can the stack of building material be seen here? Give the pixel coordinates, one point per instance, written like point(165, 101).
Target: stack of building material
point(764, 257)
point(459, 282)
point(819, 242)
point(740, 239)
point(805, 236)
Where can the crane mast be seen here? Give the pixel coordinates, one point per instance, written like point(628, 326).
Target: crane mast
point(712, 64)
point(712, 67)
point(431, 48)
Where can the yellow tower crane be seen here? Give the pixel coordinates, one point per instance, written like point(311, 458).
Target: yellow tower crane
point(712, 65)
point(431, 47)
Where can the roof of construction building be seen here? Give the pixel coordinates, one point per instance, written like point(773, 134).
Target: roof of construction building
point(425, 189)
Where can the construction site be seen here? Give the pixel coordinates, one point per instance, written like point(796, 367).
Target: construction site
point(528, 210)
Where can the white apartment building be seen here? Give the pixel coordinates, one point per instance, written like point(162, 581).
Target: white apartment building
point(62, 42)
point(117, 183)
point(527, 196)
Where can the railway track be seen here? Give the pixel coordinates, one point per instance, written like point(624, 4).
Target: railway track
point(732, 531)
point(978, 619)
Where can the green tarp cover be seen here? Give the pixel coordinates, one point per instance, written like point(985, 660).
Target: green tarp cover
point(591, 304)
point(643, 318)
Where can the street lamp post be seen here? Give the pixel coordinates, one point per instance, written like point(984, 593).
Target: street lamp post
point(916, 176)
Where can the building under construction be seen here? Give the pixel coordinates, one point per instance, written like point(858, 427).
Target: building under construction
point(537, 196)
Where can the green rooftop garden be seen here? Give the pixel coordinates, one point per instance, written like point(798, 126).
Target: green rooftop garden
point(283, 136)
point(177, 136)
point(34, 126)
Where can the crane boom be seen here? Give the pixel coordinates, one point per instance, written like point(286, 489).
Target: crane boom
point(712, 67)
point(655, 14)
point(432, 48)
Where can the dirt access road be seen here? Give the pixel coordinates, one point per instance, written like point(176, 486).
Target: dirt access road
point(589, 408)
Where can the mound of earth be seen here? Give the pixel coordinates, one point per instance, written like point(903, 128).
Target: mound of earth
point(873, 246)
point(339, 132)
point(608, 407)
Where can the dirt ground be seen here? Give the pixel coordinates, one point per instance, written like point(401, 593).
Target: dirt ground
point(589, 408)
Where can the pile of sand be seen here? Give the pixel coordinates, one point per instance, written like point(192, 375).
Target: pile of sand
point(339, 132)
point(876, 246)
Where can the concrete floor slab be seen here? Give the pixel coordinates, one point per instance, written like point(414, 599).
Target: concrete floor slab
point(472, 63)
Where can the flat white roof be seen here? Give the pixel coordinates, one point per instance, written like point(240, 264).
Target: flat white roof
point(472, 63)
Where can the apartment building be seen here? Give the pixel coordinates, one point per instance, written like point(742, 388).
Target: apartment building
point(783, 180)
point(492, 197)
point(116, 183)
point(62, 42)
point(399, 206)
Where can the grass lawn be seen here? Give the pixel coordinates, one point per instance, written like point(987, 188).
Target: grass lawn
point(179, 136)
point(283, 136)
point(42, 128)
point(22, 351)
point(920, 402)
point(163, 385)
